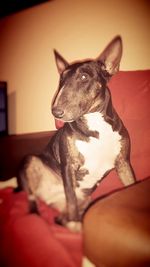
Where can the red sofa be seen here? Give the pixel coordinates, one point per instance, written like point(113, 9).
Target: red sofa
point(30, 240)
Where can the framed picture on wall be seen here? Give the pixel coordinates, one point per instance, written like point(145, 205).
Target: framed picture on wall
point(3, 109)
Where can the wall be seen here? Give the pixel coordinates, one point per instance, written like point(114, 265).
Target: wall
point(77, 29)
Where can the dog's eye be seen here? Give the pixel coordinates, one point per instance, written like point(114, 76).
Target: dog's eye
point(84, 76)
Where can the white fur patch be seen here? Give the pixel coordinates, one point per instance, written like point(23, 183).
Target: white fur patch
point(52, 194)
point(48, 185)
point(99, 154)
point(74, 226)
point(9, 183)
point(57, 97)
point(87, 263)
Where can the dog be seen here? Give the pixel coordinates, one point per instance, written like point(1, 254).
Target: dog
point(92, 142)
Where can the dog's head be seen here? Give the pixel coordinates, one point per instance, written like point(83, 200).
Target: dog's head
point(82, 85)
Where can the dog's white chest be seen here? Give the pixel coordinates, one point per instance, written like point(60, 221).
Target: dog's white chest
point(99, 154)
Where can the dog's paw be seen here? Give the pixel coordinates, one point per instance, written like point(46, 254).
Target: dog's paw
point(73, 226)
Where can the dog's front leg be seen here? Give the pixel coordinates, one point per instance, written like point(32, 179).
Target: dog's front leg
point(72, 215)
point(125, 171)
point(68, 175)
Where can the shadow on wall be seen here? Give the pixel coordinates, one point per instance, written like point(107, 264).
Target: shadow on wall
point(12, 114)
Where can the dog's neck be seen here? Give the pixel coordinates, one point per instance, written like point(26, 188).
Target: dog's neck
point(89, 125)
point(85, 125)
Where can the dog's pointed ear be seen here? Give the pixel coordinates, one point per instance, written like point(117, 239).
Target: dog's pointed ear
point(111, 56)
point(61, 63)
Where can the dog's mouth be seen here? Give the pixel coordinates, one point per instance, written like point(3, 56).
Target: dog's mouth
point(61, 116)
point(59, 123)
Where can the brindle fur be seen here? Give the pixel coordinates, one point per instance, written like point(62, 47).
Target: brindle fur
point(55, 174)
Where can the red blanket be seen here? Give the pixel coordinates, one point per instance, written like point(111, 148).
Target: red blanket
point(31, 240)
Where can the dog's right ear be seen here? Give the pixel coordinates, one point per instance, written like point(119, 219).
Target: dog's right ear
point(111, 56)
point(61, 63)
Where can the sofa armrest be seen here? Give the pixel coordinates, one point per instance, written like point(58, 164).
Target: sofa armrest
point(116, 229)
point(15, 147)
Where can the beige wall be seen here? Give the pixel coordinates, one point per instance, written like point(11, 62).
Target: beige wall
point(77, 29)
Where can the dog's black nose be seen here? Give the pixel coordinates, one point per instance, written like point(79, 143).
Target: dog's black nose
point(57, 112)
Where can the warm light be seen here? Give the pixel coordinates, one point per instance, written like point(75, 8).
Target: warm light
point(78, 30)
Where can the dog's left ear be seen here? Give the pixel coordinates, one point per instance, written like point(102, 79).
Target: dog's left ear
point(111, 56)
point(61, 63)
